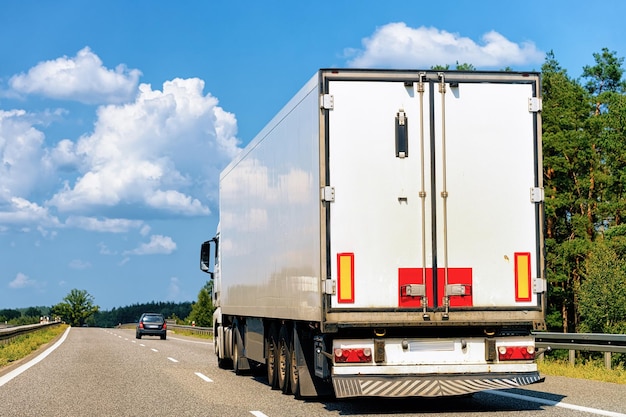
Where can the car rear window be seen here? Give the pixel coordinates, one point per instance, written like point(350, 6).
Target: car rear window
point(153, 319)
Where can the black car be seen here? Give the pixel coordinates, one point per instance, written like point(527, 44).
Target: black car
point(151, 324)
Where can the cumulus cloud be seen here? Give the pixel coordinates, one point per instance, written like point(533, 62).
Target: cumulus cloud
point(158, 245)
point(22, 281)
point(81, 78)
point(20, 154)
point(155, 153)
point(399, 46)
point(23, 212)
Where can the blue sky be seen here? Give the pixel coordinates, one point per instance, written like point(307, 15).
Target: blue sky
point(117, 116)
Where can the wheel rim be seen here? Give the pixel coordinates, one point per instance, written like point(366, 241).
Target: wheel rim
point(282, 364)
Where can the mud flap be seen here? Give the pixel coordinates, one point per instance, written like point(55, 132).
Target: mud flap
point(310, 386)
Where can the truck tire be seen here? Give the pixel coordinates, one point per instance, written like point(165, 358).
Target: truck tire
point(222, 361)
point(236, 350)
point(284, 359)
point(271, 361)
point(294, 380)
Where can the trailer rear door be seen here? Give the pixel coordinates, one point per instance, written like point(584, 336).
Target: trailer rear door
point(436, 192)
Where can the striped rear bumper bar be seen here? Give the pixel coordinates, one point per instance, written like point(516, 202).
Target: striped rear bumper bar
point(427, 385)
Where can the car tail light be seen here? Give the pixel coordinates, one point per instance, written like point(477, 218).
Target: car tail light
point(516, 353)
point(141, 324)
point(358, 355)
point(164, 325)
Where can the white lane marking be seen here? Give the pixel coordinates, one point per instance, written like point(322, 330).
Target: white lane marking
point(202, 376)
point(172, 359)
point(154, 350)
point(6, 378)
point(141, 344)
point(258, 414)
point(557, 404)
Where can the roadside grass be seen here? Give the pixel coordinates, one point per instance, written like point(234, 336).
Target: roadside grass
point(24, 345)
point(590, 369)
point(191, 333)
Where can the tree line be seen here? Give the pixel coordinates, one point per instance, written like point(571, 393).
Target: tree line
point(584, 149)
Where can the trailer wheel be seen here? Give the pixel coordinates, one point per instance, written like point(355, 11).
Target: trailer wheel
point(284, 359)
point(271, 361)
point(294, 380)
point(236, 353)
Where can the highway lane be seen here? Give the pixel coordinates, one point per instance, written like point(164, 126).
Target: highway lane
point(107, 372)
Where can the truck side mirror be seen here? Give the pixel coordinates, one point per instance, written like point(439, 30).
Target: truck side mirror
point(205, 257)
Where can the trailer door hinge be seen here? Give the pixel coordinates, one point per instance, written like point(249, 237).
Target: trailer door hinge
point(536, 195)
point(535, 104)
point(330, 287)
point(540, 285)
point(327, 101)
point(328, 194)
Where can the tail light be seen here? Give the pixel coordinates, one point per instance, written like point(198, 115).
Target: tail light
point(141, 324)
point(164, 325)
point(358, 355)
point(516, 353)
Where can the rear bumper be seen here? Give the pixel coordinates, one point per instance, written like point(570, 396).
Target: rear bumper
point(151, 332)
point(427, 385)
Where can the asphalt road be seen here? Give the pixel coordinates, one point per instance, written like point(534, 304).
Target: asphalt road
point(107, 372)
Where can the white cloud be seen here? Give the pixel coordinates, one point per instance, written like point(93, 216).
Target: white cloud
point(158, 245)
point(22, 211)
point(104, 250)
point(154, 153)
point(62, 156)
point(103, 225)
point(22, 281)
point(81, 78)
point(399, 46)
point(145, 229)
point(20, 154)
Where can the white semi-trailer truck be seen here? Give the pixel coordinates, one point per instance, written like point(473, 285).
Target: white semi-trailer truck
point(382, 236)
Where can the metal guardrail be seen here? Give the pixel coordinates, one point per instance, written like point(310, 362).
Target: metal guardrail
point(208, 331)
point(586, 342)
point(9, 333)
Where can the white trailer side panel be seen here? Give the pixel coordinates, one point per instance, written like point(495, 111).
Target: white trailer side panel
point(270, 218)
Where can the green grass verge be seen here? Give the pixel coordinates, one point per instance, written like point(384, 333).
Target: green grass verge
point(24, 345)
point(593, 370)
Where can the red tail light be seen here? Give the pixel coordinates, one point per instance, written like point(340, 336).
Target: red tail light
point(359, 355)
point(141, 324)
point(516, 353)
point(164, 325)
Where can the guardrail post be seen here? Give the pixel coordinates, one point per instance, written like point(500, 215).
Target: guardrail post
point(607, 360)
point(572, 357)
